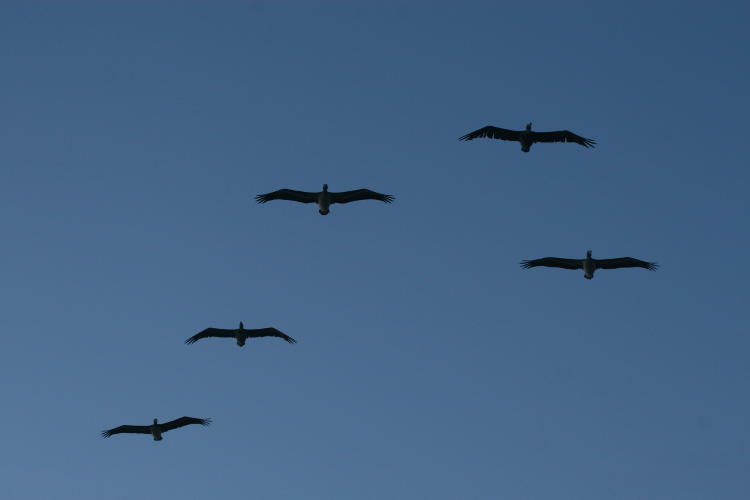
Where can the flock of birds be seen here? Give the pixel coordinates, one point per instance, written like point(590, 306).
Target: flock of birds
point(325, 199)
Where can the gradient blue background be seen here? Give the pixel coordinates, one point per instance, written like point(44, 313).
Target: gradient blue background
point(133, 136)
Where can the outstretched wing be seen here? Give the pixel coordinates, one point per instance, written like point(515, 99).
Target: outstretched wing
point(492, 133)
point(562, 136)
point(130, 429)
point(211, 332)
point(360, 194)
point(624, 262)
point(182, 422)
point(553, 262)
point(288, 194)
point(270, 332)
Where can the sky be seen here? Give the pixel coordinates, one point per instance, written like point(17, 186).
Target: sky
point(429, 365)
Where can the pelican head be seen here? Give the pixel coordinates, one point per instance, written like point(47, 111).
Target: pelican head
point(242, 327)
point(528, 126)
point(325, 188)
point(588, 254)
point(155, 422)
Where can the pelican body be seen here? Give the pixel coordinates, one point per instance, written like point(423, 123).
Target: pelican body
point(242, 335)
point(156, 431)
point(324, 201)
point(526, 139)
point(589, 266)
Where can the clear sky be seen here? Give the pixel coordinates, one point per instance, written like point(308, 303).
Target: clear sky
point(429, 365)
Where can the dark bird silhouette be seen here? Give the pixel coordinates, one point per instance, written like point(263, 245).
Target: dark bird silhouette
point(528, 137)
point(324, 198)
point(588, 264)
point(241, 334)
point(156, 429)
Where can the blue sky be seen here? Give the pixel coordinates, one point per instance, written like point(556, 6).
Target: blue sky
point(429, 365)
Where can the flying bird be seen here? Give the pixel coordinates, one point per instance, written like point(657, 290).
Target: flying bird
point(324, 198)
point(528, 137)
point(241, 334)
point(156, 429)
point(588, 264)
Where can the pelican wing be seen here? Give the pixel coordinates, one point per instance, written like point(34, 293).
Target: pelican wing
point(270, 332)
point(553, 262)
point(360, 194)
point(130, 429)
point(492, 133)
point(625, 262)
point(182, 422)
point(563, 136)
point(288, 194)
point(211, 332)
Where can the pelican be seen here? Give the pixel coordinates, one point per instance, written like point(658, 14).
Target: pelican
point(156, 429)
point(588, 264)
point(528, 137)
point(241, 334)
point(324, 199)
